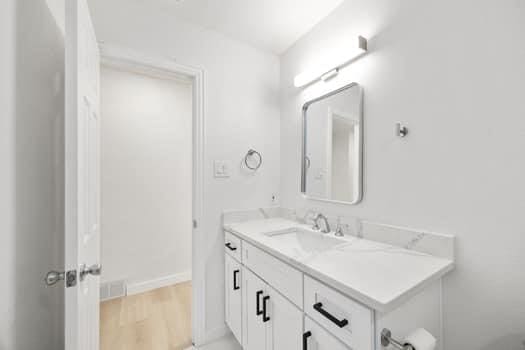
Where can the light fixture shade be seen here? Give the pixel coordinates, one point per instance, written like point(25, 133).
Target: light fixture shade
point(329, 75)
point(308, 77)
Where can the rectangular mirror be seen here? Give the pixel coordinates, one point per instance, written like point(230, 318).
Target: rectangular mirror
point(332, 156)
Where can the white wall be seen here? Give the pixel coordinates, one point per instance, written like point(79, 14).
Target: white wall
point(31, 175)
point(146, 176)
point(453, 71)
point(242, 112)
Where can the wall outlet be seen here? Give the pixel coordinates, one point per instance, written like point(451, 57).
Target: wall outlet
point(221, 168)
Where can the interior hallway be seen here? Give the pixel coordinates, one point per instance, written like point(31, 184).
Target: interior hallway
point(156, 320)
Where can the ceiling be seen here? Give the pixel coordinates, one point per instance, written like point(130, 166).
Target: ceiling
point(271, 25)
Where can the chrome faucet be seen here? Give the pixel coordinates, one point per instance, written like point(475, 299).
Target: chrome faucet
point(316, 223)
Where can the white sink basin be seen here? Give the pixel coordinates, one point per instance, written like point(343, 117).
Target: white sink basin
point(305, 241)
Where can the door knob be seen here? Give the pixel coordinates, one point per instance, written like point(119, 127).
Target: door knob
point(93, 270)
point(53, 277)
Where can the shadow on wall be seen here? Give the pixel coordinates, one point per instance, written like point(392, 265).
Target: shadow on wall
point(39, 169)
point(508, 342)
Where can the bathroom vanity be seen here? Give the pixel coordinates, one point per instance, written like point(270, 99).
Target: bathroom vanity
point(288, 287)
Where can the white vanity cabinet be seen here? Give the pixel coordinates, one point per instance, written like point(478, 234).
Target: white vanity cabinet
point(233, 296)
point(232, 246)
point(286, 323)
point(272, 305)
point(254, 328)
point(348, 320)
point(270, 321)
point(316, 338)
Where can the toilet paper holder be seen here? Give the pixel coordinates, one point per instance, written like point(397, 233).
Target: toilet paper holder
point(386, 340)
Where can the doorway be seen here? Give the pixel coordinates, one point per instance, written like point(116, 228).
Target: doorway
point(150, 201)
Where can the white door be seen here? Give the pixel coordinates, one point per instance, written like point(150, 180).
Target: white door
point(82, 228)
point(316, 338)
point(285, 328)
point(254, 331)
point(233, 295)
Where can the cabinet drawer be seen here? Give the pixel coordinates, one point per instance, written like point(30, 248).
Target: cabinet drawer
point(348, 320)
point(232, 246)
point(284, 278)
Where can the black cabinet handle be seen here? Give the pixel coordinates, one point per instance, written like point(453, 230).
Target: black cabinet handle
point(235, 286)
point(305, 339)
point(258, 310)
point(229, 246)
point(266, 318)
point(340, 323)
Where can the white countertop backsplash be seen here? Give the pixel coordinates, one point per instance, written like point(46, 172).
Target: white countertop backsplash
point(380, 265)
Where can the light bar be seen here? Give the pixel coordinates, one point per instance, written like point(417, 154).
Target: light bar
point(331, 74)
point(326, 73)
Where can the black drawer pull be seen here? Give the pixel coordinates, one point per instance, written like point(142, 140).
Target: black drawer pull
point(305, 339)
point(229, 246)
point(235, 286)
point(266, 318)
point(258, 310)
point(340, 323)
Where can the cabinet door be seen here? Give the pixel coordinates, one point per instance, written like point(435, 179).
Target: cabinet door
point(316, 338)
point(285, 327)
point(233, 296)
point(254, 327)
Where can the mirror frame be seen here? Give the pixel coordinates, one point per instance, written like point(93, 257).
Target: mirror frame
point(360, 150)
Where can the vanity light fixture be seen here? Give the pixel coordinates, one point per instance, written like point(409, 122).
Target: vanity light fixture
point(327, 73)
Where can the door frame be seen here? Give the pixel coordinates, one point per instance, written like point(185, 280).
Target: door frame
point(125, 58)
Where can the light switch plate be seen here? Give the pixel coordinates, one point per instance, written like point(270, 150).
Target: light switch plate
point(221, 168)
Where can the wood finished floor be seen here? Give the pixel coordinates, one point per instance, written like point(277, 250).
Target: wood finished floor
point(156, 320)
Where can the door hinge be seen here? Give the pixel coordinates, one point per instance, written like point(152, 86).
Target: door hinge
point(194, 223)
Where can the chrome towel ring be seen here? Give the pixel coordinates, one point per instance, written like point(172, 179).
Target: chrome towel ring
point(251, 154)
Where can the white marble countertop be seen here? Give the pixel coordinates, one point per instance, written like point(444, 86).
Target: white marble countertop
point(379, 275)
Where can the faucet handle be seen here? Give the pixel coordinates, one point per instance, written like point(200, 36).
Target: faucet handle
point(309, 215)
point(316, 226)
point(312, 215)
point(359, 228)
point(339, 230)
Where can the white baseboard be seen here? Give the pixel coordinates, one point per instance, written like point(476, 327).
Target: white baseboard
point(113, 289)
point(144, 286)
point(215, 334)
point(227, 341)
